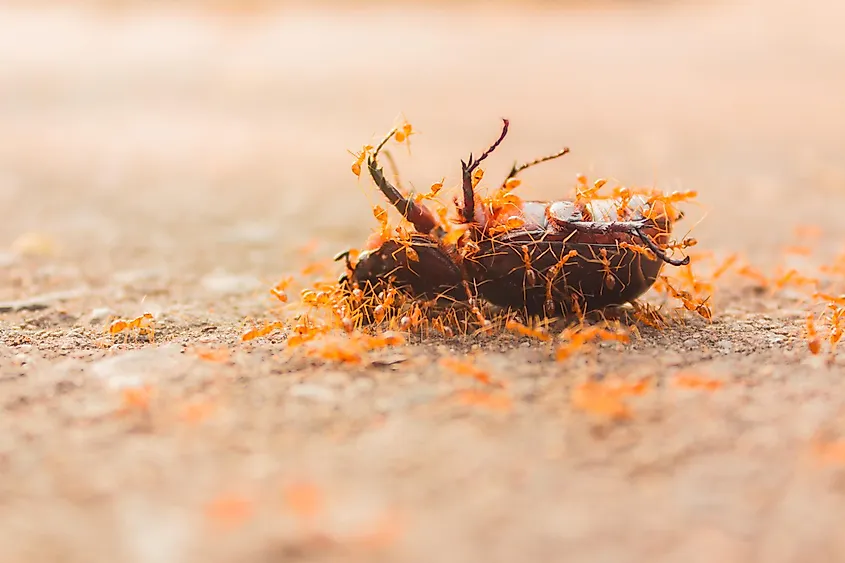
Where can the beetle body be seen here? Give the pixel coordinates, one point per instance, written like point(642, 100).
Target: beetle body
point(545, 258)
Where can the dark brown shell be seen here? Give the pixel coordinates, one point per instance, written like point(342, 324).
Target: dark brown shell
point(500, 274)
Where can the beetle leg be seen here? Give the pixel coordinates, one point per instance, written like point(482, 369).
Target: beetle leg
point(344, 280)
point(467, 168)
point(628, 227)
point(517, 169)
point(658, 251)
point(634, 228)
point(418, 215)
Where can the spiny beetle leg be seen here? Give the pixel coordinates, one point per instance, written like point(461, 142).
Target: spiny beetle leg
point(632, 228)
point(517, 169)
point(417, 215)
point(659, 251)
point(467, 168)
point(629, 227)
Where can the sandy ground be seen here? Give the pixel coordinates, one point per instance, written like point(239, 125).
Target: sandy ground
point(181, 164)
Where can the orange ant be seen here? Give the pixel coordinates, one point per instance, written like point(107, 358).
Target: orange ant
point(624, 195)
point(553, 273)
point(814, 342)
point(530, 278)
point(359, 159)
point(520, 328)
point(403, 135)
point(690, 304)
point(609, 276)
point(639, 249)
point(259, 332)
point(585, 193)
point(469, 370)
point(143, 324)
point(279, 289)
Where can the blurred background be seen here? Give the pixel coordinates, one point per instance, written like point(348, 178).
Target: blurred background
point(192, 134)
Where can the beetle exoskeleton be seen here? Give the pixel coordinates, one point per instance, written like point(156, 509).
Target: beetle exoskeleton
point(544, 258)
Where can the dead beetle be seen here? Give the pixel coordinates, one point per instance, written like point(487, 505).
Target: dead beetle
point(544, 258)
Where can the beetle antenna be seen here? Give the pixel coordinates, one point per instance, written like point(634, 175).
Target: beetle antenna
point(467, 168)
point(658, 251)
point(419, 216)
point(517, 169)
point(383, 142)
point(344, 256)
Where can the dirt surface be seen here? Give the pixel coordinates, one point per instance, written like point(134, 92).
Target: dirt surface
point(182, 163)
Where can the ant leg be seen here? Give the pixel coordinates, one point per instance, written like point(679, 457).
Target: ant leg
point(467, 168)
point(419, 216)
point(517, 169)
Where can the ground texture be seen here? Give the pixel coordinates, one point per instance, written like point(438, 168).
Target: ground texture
point(180, 164)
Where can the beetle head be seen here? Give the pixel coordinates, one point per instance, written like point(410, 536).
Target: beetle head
point(371, 267)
